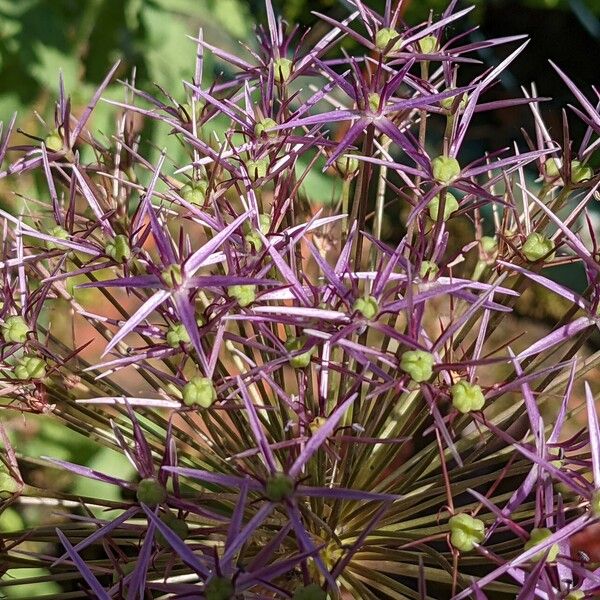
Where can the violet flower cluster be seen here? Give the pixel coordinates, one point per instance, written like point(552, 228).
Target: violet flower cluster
point(312, 412)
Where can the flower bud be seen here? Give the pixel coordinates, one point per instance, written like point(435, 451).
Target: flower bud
point(151, 492)
point(172, 276)
point(282, 69)
point(465, 532)
point(299, 361)
point(428, 270)
point(118, 249)
point(367, 307)
point(219, 588)
point(580, 172)
point(466, 397)
point(445, 169)
point(244, 294)
point(199, 391)
point(537, 246)
point(418, 364)
point(278, 487)
point(194, 192)
point(428, 44)
point(384, 37)
point(178, 526)
point(54, 141)
point(30, 367)
point(537, 536)
point(177, 334)
point(374, 102)
point(15, 329)
point(309, 592)
point(347, 165)
point(450, 206)
point(57, 232)
point(257, 169)
point(261, 128)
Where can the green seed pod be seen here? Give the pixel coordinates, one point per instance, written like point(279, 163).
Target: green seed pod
point(151, 492)
point(466, 397)
point(199, 391)
point(418, 364)
point(264, 222)
point(367, 307)
point(9, 486)
point(428, 44)
point(552, 168)
point(465, 532)
point(282, 69)
point(489, 244)
point(254, 240)
point(177, 334)
point(179, 527)
point(54, 142)
point(309, 592)
point(537, 536)
point(257, 169)
point(15, 329)
point(448, 102)
point(445, 169)
point(219, 588)
point(278, 487)
point(580, 172)
point(428, 270)
point(347, 165)
point(299, 361)
point(195, 192)
point(172, 276)
point(575, 595)
point(450, 206)
point(261, 128)
point(244, 294)
point(537, 246)
point(118, 249)
point(374, 102)
point(58, 232)
point(384, 37)
point(30, 367)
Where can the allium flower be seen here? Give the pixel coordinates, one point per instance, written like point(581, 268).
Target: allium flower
point(309, 411)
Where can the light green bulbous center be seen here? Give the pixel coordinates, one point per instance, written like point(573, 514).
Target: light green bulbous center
point(450, 206)
point(467, 397)
point(537, 536)
point(445, 169)
point(367, 307)
point(537, 246)
point(418, 364)
point(151, 492)
point(244, 294)
point(15, 329)
point(199, 391)
point(302, 360)
point(30, 367)
point(466, 532)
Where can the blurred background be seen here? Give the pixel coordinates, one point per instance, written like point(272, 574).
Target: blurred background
point(84, 39)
